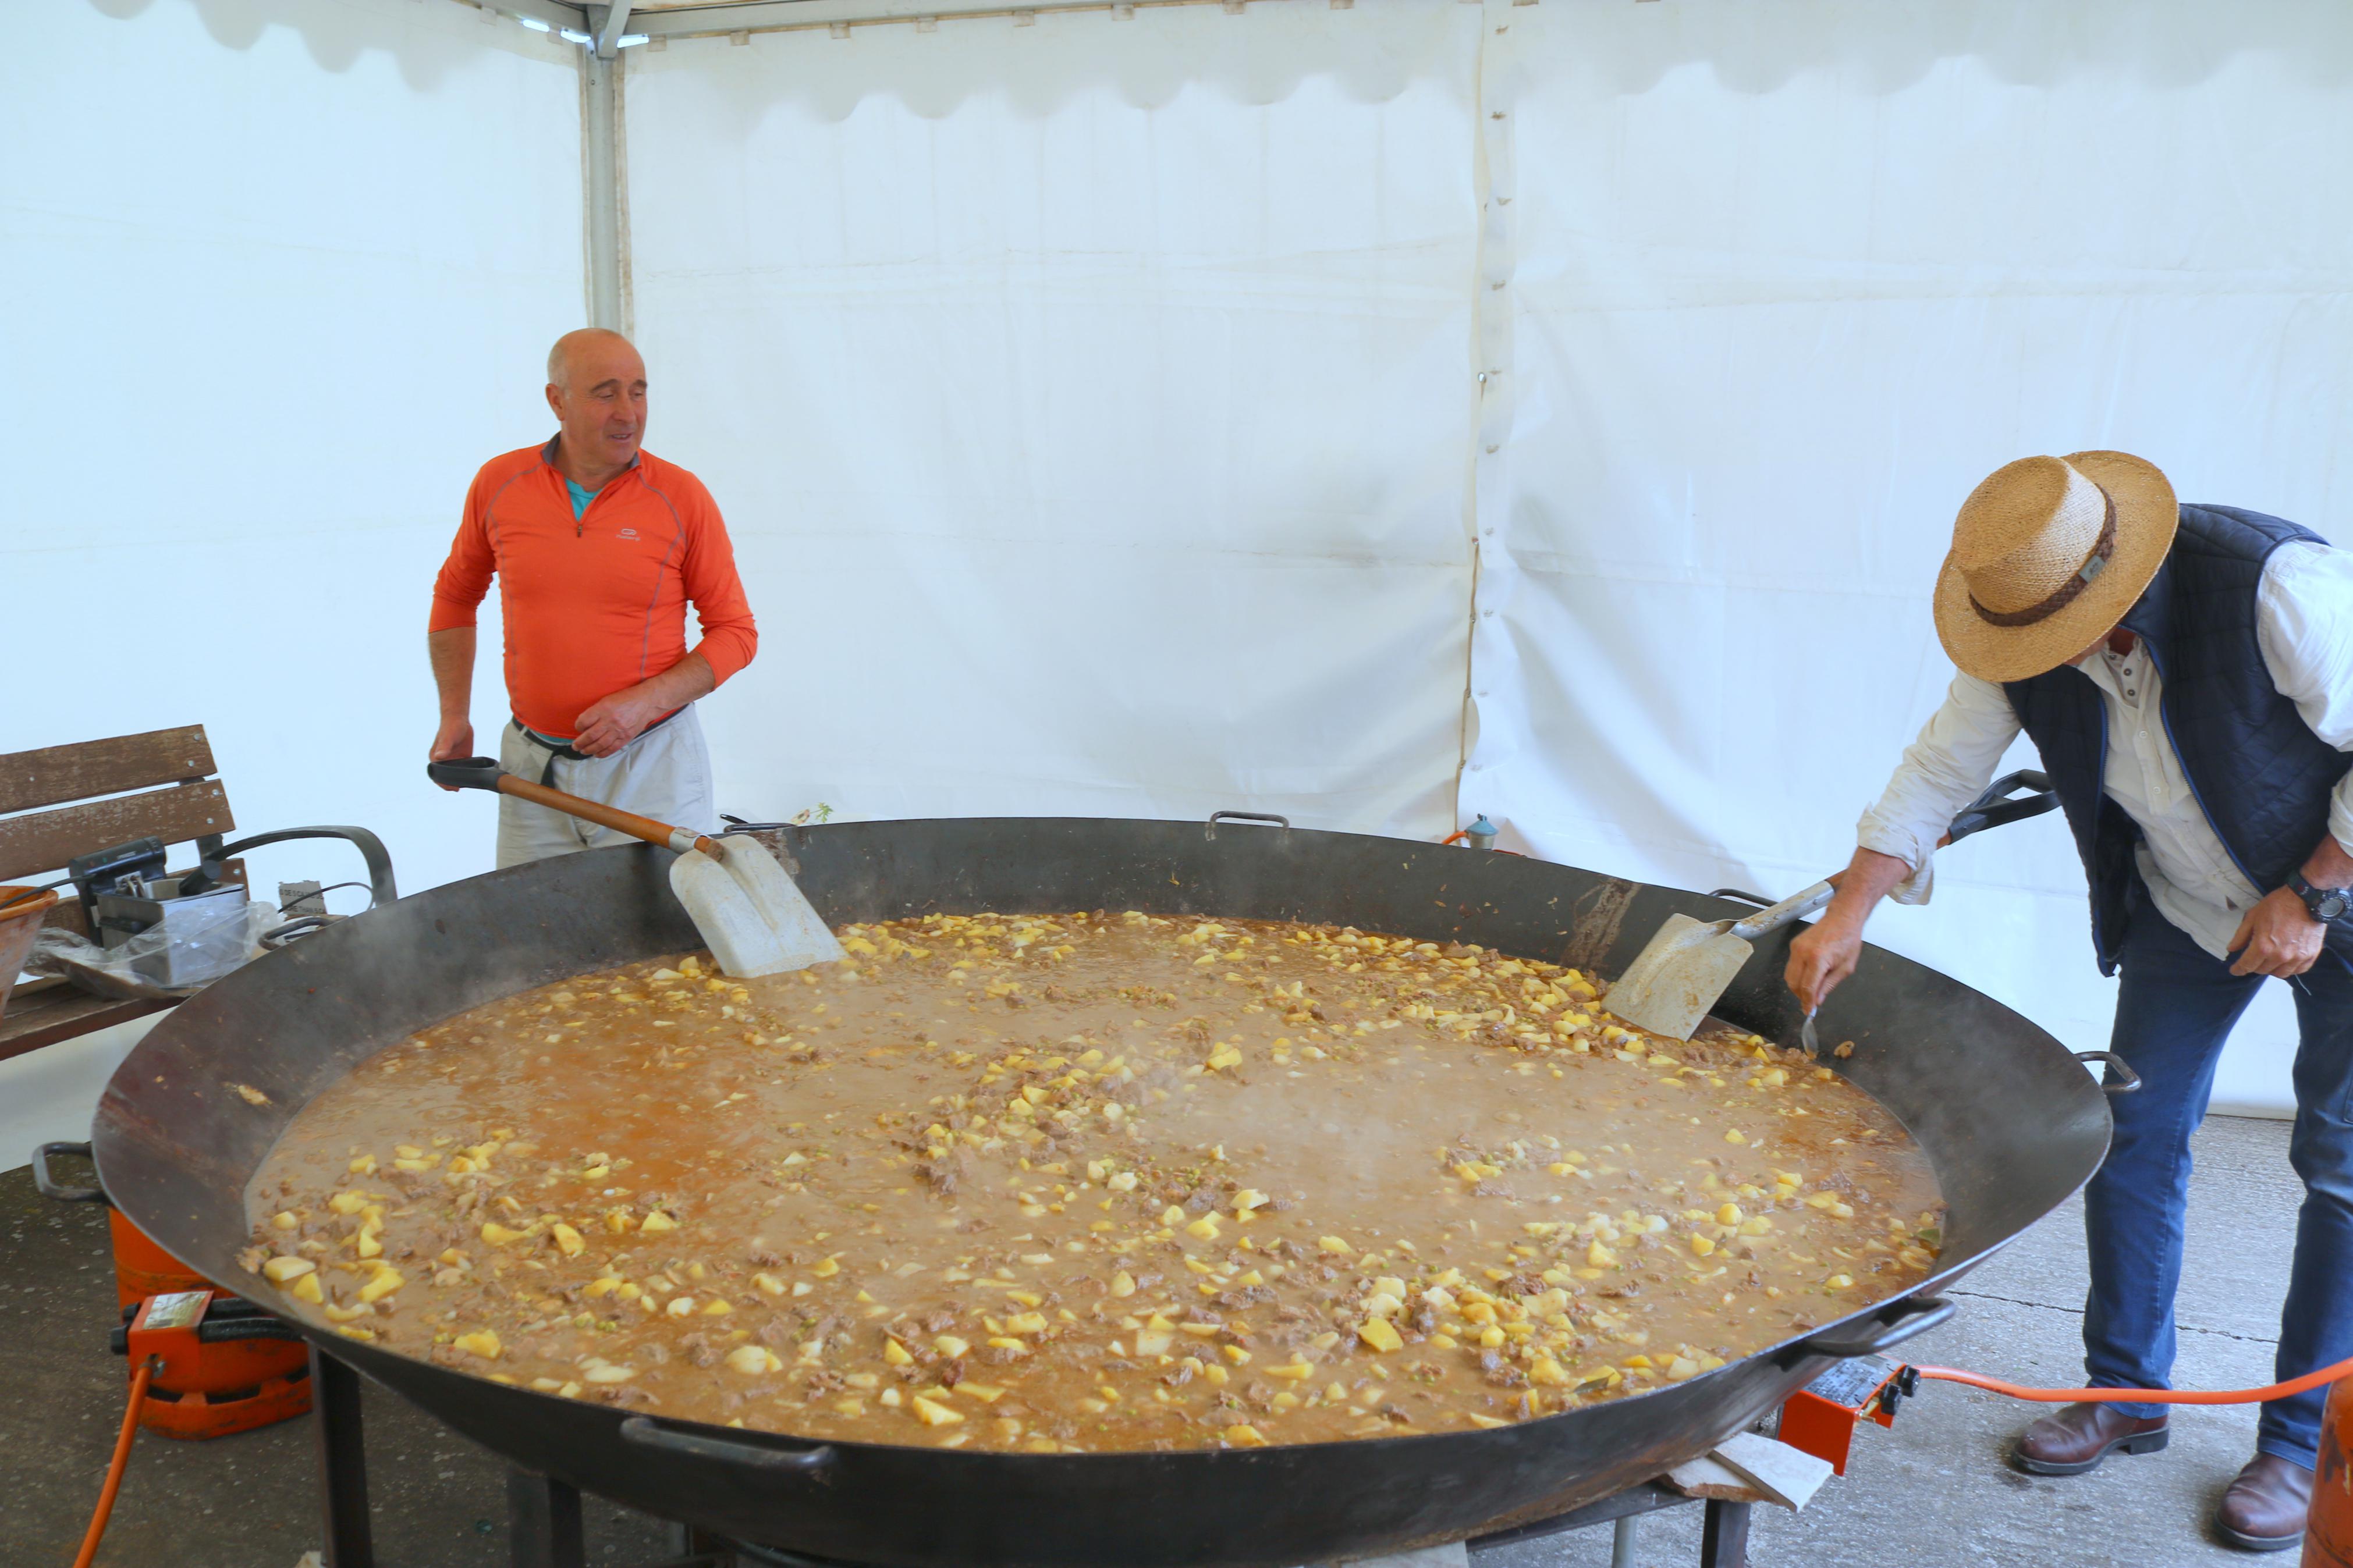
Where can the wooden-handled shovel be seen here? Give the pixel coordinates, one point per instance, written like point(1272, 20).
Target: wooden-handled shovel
point(754, 918)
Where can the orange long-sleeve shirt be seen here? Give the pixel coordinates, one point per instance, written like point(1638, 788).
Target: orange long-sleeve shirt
point(598, 602)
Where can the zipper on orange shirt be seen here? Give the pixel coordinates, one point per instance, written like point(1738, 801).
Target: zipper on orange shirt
point(580, 519)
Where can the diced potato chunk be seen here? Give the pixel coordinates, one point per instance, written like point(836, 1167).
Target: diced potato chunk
point(386, 1281)
point(932, 1414)
point(278, 1270)
point(753, 1361)
point(483, 1342)
point(656, 1222)
point(1378, 1333)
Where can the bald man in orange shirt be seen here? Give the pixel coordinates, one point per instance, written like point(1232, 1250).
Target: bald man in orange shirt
point(598, 547)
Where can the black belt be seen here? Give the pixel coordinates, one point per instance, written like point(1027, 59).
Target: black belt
point(566, 751)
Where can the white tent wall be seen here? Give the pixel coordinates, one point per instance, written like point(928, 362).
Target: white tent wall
point(280, 273)
point(1090, 403)
point(1094, 399)
point(1791, 278)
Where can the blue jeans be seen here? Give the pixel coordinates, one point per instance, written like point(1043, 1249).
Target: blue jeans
point(2176, 1008)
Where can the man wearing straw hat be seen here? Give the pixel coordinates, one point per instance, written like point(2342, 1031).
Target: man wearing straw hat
point(2187, 674)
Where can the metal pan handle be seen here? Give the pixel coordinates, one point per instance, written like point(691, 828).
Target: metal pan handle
point(50, 1187)
point(1916, 1315)
point(648, 1433)
point(382, 888)
point(2127, 1083)
point(1218, 817)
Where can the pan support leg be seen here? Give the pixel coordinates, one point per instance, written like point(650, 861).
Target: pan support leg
point(343, 1463)
point(544, 1527)
point(1724, 1535)
point(1622, 1535)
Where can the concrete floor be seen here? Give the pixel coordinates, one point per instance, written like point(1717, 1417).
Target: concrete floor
point(1932, 1492)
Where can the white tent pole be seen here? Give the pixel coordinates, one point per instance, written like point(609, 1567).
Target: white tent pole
point(600, 121)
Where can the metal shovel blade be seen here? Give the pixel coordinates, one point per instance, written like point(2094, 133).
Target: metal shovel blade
point(1673, 983)
point(752, 916)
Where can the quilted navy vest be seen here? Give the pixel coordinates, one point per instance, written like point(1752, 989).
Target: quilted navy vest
point(2259, 773)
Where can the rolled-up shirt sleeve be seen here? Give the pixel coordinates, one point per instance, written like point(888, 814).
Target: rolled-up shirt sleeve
point(2304, 623)
point(730, 635)
point(1945, 769)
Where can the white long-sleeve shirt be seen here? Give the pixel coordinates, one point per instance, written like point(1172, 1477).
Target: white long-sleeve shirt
point(2304, 625)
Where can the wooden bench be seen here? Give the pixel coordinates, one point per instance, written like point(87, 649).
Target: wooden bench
point(42, 829)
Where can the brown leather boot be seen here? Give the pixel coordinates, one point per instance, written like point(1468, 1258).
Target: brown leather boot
point(2078, 1438)
point(2264, 1511)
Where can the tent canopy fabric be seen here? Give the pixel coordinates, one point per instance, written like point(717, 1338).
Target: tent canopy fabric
point(1379, 414)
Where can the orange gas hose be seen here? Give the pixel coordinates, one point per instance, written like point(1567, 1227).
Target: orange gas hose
point(2292, 1387)
point(115, 1467)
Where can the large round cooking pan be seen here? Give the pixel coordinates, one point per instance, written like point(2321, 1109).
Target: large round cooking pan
point(2012, 1123)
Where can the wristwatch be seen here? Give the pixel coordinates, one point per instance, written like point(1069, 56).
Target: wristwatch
point(2328, 905)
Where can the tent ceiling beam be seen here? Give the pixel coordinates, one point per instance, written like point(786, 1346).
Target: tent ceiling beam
point(554, 13)
point(781, 15)
point(609, 31)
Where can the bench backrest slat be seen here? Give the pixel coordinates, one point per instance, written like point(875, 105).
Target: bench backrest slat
point(46, 840)
point(54, 774)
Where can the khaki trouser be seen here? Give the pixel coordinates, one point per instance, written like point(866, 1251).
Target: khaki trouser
point(664, 774)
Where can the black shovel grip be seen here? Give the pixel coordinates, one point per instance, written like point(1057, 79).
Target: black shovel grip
point(646, 1433)
point(1903, 1320)
point(473, 773)
point(1994, 808)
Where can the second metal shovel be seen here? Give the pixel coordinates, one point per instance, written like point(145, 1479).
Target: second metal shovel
point(1673, 983)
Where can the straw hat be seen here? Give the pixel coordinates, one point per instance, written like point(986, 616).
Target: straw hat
point(2048, 555)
